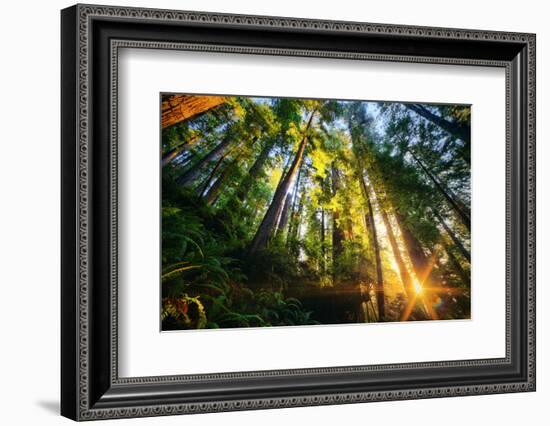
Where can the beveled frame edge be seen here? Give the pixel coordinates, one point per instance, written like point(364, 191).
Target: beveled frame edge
point(75, 209)
point(115, 46)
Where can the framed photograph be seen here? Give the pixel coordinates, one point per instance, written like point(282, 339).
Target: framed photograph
point(263, 212)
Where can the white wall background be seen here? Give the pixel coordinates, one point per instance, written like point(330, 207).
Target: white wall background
point(29, 214)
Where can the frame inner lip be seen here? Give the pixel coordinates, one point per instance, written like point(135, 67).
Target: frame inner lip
point(117, 43)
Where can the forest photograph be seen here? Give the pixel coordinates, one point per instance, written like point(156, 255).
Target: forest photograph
point(289, 211)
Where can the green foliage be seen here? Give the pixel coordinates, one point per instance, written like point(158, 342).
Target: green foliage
point(184, 312)
point(355, 152)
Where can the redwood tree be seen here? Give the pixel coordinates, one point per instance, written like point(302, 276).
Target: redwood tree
point(273, 213)
point(380, 297)
point(178, 108)
point(458, 130)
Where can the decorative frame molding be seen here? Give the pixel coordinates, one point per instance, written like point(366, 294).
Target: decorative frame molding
point(91, 37)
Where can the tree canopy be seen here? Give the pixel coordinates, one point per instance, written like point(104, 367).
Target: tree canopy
point(284, 211)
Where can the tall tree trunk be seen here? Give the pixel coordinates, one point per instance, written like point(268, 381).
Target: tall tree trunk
point(374, 238)
point(464, 276)
point(463, 215)
point(254, 172)
point(337, 231)
point(175, 152)
point(418, 258)
point(190, 175)
point(453, 236)
point(457, 130)
point(269, 221)
point(283, 221)
point(294, 226)
point(403, 271)
point(286, 168)
point(208, 181)
point(349, 229)
point(178, 108)
point(214, 191)
point(294, 201)
point(421, 265)
point(323, 248)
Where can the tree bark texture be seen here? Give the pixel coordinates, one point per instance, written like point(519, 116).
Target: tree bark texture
point(178, 108)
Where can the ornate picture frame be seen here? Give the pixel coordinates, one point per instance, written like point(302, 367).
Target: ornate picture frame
point(91, 37)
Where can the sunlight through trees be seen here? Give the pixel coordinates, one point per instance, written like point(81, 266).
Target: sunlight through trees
point(283, 211)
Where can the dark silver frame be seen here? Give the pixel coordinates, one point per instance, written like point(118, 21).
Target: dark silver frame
point(91, 38)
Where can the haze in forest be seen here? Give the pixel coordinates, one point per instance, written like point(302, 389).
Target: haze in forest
point(286, 211)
